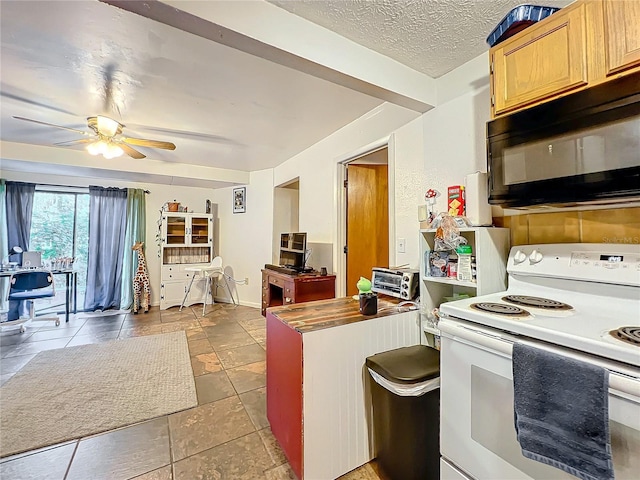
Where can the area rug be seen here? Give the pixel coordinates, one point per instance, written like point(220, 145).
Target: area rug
point(73, 392)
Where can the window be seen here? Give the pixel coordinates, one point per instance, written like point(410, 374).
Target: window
point(60, 229)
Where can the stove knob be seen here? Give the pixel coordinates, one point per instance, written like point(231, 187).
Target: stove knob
point(535, 257)
point(519, 257)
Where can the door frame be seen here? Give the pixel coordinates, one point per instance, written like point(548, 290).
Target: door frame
point(340, 238)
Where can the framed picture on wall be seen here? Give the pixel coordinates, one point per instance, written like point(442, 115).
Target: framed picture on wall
point(239, 200)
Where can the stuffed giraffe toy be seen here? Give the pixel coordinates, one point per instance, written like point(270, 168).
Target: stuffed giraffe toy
point(141, 288)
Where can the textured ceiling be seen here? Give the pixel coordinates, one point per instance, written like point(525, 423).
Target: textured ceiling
point(62, 61)
point(430, 36)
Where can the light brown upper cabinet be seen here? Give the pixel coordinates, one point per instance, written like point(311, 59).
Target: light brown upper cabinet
point(622, 34)
point(542, 62)
point(584, 44)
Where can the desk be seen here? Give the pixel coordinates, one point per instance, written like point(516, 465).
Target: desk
point(71, 284)
point(282, 289)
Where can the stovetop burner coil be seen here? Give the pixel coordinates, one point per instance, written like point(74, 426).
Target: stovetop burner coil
point(500, 308)
point(537, 302)
point(627, 334)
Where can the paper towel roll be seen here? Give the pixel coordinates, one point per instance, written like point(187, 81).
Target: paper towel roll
point(478, 208)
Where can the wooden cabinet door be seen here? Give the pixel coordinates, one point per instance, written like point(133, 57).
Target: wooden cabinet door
point(549, 60)
point(621, 34)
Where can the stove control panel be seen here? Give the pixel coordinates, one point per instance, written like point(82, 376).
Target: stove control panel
point(607, 263)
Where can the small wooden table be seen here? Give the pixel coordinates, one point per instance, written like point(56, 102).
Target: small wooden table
point(282, 289)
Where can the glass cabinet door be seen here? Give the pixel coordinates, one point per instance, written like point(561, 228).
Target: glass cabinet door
point(176, 230)
point(199, 230)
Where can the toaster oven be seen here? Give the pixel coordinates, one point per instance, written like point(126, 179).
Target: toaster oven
point(400, 282)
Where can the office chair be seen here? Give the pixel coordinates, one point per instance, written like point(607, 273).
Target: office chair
point(213, 271)
point(28, 286)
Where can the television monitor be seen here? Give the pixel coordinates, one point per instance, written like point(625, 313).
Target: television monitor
point(293, 250)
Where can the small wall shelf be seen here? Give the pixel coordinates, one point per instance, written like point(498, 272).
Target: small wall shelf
point(489, 245)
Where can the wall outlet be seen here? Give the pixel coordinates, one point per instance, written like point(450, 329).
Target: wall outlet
point(402, 245)
point(246, 280)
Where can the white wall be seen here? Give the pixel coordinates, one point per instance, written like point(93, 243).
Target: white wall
point(245, 238)
point(191, 197)
point(286, 217)
point(433, 150)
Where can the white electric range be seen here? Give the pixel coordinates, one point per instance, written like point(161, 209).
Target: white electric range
point(578, 300)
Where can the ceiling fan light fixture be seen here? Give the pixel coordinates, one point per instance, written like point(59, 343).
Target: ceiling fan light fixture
point(97, 148)
point(107, 126)
point(113, 151)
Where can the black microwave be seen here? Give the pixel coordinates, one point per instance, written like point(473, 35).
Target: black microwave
point(583, 147)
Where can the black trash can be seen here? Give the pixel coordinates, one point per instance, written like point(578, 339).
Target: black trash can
point(405, 391)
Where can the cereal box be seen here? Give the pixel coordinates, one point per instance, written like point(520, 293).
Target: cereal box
point(456, 203)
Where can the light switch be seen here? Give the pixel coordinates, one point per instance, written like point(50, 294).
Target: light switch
point(402, 243)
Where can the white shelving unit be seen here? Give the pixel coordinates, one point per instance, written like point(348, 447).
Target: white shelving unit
point(187, 241)
point(490, 247)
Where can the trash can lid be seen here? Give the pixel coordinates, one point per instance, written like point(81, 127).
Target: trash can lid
point(407, 364)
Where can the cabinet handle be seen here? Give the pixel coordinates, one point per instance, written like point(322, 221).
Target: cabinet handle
point(287, 299)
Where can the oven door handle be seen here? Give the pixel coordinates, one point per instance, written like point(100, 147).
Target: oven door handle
point(623, 382)
point(490, 342)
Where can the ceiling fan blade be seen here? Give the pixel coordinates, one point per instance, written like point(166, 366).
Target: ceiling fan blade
point(76, 142)
point(132, 152)
point(81, 132)
point(148, 143)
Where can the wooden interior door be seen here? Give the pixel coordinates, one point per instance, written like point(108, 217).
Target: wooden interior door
point(367, 221)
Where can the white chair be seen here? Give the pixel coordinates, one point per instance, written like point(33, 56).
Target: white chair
point(213, 271)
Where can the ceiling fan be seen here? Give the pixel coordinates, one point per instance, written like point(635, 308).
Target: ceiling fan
point(106, 138)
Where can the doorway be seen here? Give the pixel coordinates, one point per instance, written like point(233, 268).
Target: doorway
point(367, 216)
point(285, 213)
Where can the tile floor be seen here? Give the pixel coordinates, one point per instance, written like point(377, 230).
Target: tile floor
point(226, 436)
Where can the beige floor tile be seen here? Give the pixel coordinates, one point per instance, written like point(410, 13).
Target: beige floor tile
point(259, 335)
point(248, 377)
point(196, 333)
point(95, 338)
point(281, 472)
point(164, 473)
point(48, 463)
point(241, 459)
point(123, 453)
point(204, 427)
point(212, 387)
point(254, 323)
point(205, 363)
point(365, 472)
point(232, 340)
point(198, 347)
point(241, 356)
point(255, 403)
point(273, 447)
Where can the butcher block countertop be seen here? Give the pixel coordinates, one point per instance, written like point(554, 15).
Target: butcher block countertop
point(321, 314)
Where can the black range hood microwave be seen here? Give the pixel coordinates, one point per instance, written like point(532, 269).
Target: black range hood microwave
point(584, 147)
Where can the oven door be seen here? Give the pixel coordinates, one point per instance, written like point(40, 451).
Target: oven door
point(477, 434)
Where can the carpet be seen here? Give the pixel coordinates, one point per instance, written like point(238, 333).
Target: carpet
point(74, 392)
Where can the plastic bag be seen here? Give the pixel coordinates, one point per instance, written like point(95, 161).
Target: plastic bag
point(447, 233)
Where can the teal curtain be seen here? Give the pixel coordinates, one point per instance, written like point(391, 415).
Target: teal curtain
point(136, 232)
point(4, 242)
